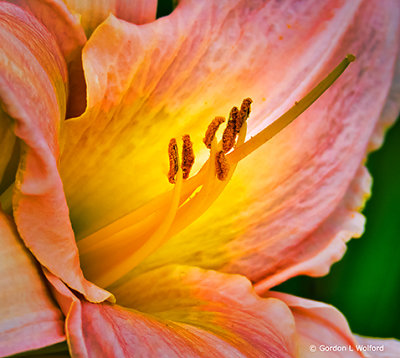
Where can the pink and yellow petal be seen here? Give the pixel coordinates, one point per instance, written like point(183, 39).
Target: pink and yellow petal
point(33, 88)
point(189, 312)
point(171, 77)
point(94, 12)
point(29, 319)
point(319, 326)
point(297, 198)
point(140, 96)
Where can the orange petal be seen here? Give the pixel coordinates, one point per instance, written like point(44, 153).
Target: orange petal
point(293, 203)
point(319, 326)
point(188, 312)
point(70, 37)
point(93, 12)
point(28, 317)
point(33, 93)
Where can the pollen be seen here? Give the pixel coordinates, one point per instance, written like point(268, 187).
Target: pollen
point(229, 136)
point(243, 114)
point(212, 130)
point(187, 156)
point(221, 165)
point(173, 160)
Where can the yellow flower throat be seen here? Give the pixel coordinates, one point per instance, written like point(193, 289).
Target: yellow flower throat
point(113, 251)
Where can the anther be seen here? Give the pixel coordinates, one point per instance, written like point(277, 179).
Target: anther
point(187, 156)
point(173, 160)
point(229, 136)
point(243, 114)
point(211, 130)
point(221, 165)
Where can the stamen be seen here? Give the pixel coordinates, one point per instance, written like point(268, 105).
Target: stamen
point(173, 160)
point(146, 229)
point(187, 156)
point(210, 191)
point(244, 113)
point(221, 165)
point(229, 136)
point(211, 130)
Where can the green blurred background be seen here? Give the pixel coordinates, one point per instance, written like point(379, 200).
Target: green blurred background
point(364, 285)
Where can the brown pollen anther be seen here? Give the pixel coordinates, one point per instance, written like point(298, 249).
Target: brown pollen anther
point(243, 114)
point(229, 136)
point(187, 156)
point(221, 165)
point(211, 130)
point(173, 160)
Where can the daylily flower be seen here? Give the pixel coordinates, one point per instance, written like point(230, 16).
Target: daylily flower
point(84, 187)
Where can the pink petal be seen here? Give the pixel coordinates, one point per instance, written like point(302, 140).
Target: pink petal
point(320, 326)
point(28, 317)
point(70, 37)
point(64, 26)
point(33, 93)
point(93, 12)
point(327, 244)
point(184, 312)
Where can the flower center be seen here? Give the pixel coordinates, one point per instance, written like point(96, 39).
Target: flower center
point(113, 251)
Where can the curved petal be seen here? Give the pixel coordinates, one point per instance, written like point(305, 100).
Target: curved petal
point(93, 12)
point(189, 312)
point(379, 347)
point(292, 200)
point(320, 328)
point(327, 244)
point(33, 93)
point(64, 26)
point(70, 37)
point(29, 319)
